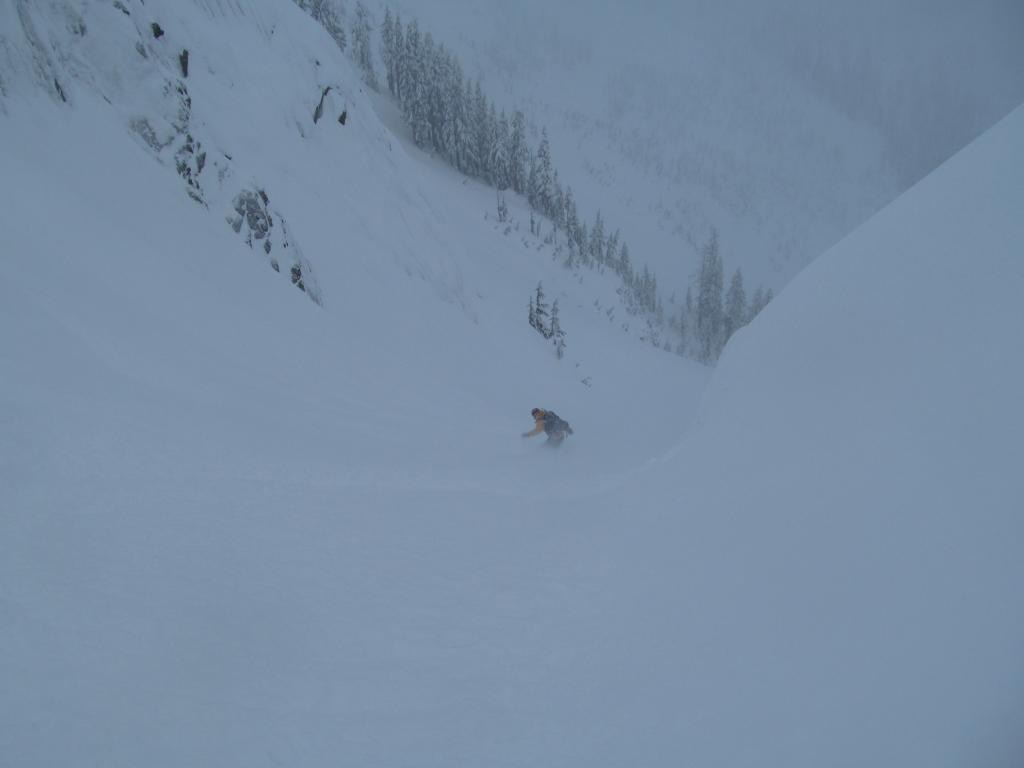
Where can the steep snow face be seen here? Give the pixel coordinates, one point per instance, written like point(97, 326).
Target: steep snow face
point(852, 496)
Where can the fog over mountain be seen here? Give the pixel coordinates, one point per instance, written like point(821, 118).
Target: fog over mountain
point(783, 125)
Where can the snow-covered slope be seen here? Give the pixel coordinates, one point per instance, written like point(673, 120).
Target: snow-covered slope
point(241, 528)
point(847, 516)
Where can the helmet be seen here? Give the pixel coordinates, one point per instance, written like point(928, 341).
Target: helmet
point(536, 411)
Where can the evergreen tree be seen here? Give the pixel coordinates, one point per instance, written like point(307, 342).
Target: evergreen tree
point(455, 116)
point(519, 153)
point(709, 302)
point(482, 131)
point(361, 48)
point(611, 251)
point(736, 308)
point(582, 240)
point(398, 58)
point(545, 175)
point(418, 90)
point(541, 313)
point(681, 328)
point(502, 208)
point(625, 266)
point(570, 219)
point(433, 92)
point(687, 322)
point(467, 146)
point(532, 194)
point(499, 161)
point(557, 334)
point(558, 203)
point(597, 243)
point(412, 76)
point(533, 314)
point(387, 49)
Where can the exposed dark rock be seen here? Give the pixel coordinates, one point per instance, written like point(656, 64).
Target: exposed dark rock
point(343, 116)
point(158, 31)
point(319, 111)
point(189, 161)
point(183, 60)
point(254, 220)
point(142, 127)
point(251, 209)
point(120, 6)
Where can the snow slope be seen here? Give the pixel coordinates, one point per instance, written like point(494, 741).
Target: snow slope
point(851, 498)
point(239, 528)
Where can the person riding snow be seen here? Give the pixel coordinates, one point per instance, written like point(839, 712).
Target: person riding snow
point(556, 428)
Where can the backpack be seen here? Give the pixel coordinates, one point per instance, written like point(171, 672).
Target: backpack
point(554, 423)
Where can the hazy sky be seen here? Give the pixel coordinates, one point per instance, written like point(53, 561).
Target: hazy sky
point(930, 74)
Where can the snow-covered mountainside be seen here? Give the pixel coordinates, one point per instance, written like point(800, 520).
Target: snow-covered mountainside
point(784, 125)
point(240, 527)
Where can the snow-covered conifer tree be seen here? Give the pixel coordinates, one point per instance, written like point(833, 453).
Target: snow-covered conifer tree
point(596, 245)
point(472, 162)
point(532, 193)
point(387, 49)
point(398, 58)
point(455, 115)
point(644, 288)
point(519, 152)
point(557, 334)
point(362, 50)
point(558, 203)
point(499, 161)
point(545, 175)
point(570, 216)
point(411, 73)
point(611, 251)
point(736, 308)
point(482, 130)
point(582, 239)
point(502, 207)
point(625, 265)
point(709, 302)
point(541, 312)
